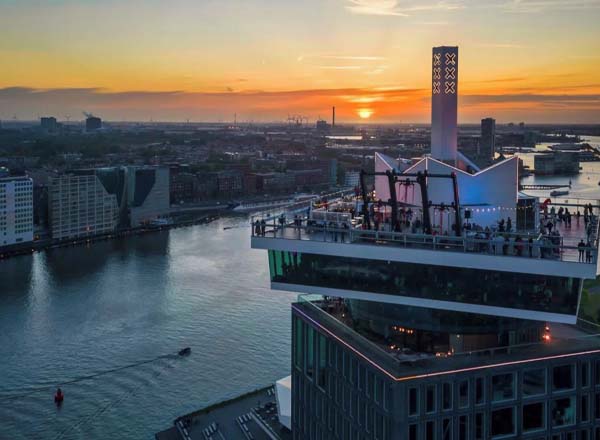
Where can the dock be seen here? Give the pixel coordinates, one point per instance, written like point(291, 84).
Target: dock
point(251, 416)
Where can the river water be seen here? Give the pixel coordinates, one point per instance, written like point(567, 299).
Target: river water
point(75, 311)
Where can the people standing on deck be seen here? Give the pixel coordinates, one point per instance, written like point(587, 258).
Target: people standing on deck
point(263, 227)
point(577, 215)
point(588, 252)
point(519, 245)
point(549, 226)
point(508, 224)
point(581, 247)
point(343, 233)
point(257, 227)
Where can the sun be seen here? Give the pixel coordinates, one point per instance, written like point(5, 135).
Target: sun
point(365, 113)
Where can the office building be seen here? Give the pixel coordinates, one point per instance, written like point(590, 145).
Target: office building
point(80, 206)
point(16, 210)
point(434, 308)
point(48, 123)
point(148, 194)
point(487, 145)
point(352, 179)
point(556, 163)
point(93, 123)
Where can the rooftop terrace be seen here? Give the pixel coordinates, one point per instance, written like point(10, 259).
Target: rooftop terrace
point(337, 222)
point(566, 340)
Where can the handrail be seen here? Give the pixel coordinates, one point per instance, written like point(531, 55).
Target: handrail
point(541, 248)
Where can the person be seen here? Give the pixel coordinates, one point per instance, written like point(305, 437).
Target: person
point(59, 396)
point(519, 245)
point(530, 246)
point(577, 215)
point(588, 252)
point(263, 227)
point(257, 227)
point(581, 247)
point(508, 224)
point(344, 229)
point(549, 226)
point(501, 225)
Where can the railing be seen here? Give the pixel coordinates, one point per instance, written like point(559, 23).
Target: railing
point(315, 308)
point(542, 246)
point(300, 205)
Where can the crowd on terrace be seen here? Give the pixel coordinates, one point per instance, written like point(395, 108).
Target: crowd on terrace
point(344, 220)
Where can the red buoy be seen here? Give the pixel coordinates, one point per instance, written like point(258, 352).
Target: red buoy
point(59, 397)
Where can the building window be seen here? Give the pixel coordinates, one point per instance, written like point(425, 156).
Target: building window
point(503, 387)
point(446, 396)
point(430, 430)
point(298, 335)
point(534, 382)
point(413, 432)
point(479, 391)
point(463, 427)
point(563, 411)
point(563, 378)
point(430, 399)
point(310, 351)
point(479, 426)
point(585, 374)
point(503, 422)
point(413, 401)
point(463, 394)
point(584, 408)
point(447, 429)
point(322, 373)
point(533, 417)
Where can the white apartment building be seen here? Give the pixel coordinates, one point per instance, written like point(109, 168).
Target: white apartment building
point(16, 210)
point(79, 206)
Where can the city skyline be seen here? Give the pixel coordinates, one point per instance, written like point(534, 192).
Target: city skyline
point(535, 61)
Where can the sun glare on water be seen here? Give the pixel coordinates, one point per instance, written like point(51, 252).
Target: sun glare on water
point(365, 113)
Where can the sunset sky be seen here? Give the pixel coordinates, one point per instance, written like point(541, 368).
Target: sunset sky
point(204, 60)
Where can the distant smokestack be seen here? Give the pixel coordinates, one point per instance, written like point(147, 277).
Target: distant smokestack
point(333, 117)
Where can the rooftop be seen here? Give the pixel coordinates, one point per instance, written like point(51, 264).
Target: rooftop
point(322, 312)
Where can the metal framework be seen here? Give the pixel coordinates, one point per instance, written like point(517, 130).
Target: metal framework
point(419, 178)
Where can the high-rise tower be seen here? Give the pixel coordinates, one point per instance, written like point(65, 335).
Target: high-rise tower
point(444, 91)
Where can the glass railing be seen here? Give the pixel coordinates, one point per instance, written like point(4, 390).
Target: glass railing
point(515, 244)
point(325, 314)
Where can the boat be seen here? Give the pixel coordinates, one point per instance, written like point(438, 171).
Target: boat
point(185, 351)
point(558, 193)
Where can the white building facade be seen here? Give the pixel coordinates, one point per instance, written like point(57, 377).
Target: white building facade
point(80, 206)
point(16, 210)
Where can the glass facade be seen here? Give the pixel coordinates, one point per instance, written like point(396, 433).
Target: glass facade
point(480, 287)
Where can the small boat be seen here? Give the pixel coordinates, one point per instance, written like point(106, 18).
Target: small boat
point(557, 193)
point(185, 351)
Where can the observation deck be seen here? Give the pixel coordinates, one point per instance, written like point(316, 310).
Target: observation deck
point(526, 274)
